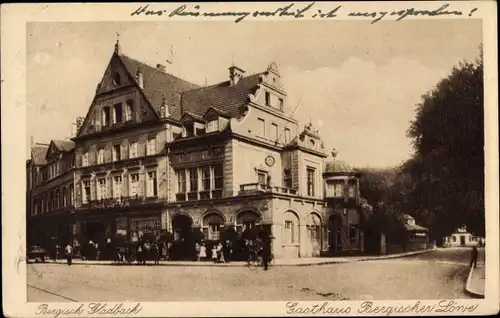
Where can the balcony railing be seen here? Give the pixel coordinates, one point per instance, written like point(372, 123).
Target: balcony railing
point(249, 188)
point(120, 202)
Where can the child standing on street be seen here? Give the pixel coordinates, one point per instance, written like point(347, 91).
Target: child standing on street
point(203, 251)
point(214, 254)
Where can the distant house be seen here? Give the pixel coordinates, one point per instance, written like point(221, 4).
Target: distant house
point(462, 238)
point(416, 235)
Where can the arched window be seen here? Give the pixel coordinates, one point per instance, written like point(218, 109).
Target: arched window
point(212, 224)
point(247, 220)
point(290, 228)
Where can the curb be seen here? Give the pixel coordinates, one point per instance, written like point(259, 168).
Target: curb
point(208, 264)
point(467, 287)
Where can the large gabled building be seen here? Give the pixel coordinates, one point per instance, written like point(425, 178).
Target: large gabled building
point(156, 153)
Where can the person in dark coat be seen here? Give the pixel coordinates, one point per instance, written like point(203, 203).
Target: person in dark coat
point(265, 253)
point(473, 260)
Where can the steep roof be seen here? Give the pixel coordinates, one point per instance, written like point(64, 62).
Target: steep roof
point(38, 153)
point(223, 97)
point(64, 145)
point(415, 228)
point(159, 85)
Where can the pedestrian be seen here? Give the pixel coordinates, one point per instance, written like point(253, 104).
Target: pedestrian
point(473, 260)
point(156, 253)
point(220, 253)
point(227, 251)
point(197, 248)
point(203, 252)
point(265, 253)
point(214, 253)
point(69, 254)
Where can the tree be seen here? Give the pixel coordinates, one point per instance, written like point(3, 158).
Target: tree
point(447, 168)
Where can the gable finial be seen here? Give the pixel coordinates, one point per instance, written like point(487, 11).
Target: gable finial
point(117, 44)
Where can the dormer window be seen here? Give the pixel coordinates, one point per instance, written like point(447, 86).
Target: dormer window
point(213, 125)
point(189, 129)
point(116, 79)
point(312, 143)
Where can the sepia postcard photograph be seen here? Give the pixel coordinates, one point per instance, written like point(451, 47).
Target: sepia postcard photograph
point(293, 158)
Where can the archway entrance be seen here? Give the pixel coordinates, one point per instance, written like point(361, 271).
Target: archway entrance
point(314, 234)
point(183, 247)
point(335, 234)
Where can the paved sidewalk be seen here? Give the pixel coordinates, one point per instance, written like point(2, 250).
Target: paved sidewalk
point(278, 262)
point(476, 281)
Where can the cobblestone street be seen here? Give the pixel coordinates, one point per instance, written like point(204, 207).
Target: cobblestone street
point(439, 274)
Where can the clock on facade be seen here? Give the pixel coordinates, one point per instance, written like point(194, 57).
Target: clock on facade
point(270, 161)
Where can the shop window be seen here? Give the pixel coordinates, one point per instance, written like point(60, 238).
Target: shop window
point(214, 231)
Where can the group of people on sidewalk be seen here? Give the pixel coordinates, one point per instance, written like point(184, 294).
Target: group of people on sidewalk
point(219, 253)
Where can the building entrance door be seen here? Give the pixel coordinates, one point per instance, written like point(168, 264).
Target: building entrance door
point(462, 240)
point(183, 247)
point(335, 236)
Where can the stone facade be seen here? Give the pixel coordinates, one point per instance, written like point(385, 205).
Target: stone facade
point(156, 153)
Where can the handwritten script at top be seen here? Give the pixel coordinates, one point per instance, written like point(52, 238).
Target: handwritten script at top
point(297, 11)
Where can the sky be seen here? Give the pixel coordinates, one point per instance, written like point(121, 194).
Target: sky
point(357, 82)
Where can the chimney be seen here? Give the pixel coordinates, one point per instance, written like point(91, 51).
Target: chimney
point(139, 78)
point(164, 109)
point(235, 74)
point(161, 67)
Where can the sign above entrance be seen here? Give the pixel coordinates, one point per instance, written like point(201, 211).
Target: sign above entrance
point(270, 161)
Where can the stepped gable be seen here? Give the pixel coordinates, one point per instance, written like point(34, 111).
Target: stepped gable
point(159, 85)
point(222, 97)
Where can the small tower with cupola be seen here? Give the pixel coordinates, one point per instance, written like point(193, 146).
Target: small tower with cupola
point(343, 200)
